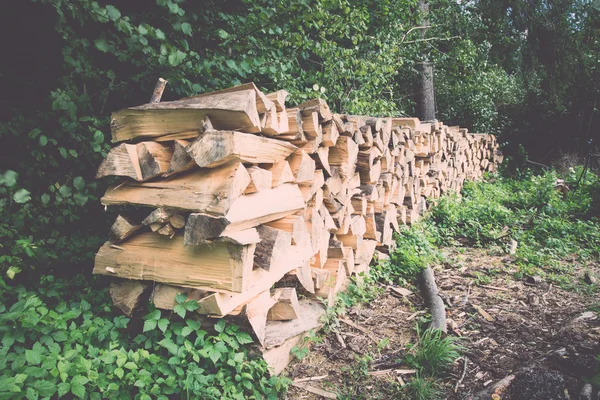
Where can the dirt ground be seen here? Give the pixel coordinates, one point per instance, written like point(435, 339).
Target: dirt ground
point(507, 325)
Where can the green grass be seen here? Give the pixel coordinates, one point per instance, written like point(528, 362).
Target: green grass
point(434, 353)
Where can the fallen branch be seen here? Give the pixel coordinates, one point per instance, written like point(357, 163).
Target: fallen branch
point(311, 378)
point(462, 375)
point(395, 371)
point(497, 388)
point(315, 390)
point(433, 300)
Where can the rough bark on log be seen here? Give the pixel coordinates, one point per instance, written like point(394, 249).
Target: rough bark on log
point(432, 297)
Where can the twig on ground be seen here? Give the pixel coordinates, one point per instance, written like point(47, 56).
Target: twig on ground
point(462, 375)
point(360, 328)
point(314, 390)
point(311, 378)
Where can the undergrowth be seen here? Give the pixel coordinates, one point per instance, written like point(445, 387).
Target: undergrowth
point(62, 340)
point(557, 234)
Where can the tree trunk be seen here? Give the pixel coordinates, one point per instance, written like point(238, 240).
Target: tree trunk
point(426, 99)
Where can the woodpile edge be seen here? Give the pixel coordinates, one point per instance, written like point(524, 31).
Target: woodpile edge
point(257, 210)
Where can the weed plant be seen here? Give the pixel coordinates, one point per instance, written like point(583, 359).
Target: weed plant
point(63, 340)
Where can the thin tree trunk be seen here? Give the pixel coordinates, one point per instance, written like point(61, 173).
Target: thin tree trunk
point(426, 99)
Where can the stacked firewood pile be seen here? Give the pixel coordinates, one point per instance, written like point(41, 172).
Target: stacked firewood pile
point(252, 205)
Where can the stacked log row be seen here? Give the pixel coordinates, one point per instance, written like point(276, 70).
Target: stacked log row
point(252, 204)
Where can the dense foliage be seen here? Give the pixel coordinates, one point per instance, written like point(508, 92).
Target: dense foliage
point(360, 55)
point(63, 340)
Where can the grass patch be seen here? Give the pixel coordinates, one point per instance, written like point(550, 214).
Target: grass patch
point(434, 353)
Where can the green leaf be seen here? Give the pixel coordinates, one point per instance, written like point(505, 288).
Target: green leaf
point(79, 182)
point(9, 178)
point(32, 394)
point(34, 133)
point(60, 336)
point(181, 298)
point(163, 324)
point(176, 57)
point(214, 355)
point(222, 34)
point(80, 380)
point(130, 365)
point(149, 325)
point(186, 331)
point(73, 153)
point(65, 191)
point(220, 326)
point(243, 338)
point(186, 28)
point(119, 372)
point(63, 388)
point(113, 13)
point(63, 152)
point(33, 357)
point(12, 272)
point(195, 325)
point(191, 305)
point(101, 44)
point(78, 390)
point(107, 358)
point(98, 137)
point(231, 64)
point(43, 140)
point(45, 388)
point(22, 196)
point(179, 310)
point(154, 315)
point(45, 198)
point(160, 35)
point(169, 345)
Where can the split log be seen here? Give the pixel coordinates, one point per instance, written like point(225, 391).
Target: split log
point(287, 307)
point(261, 179)
point(181, 160)
point(122, 229)
point(205, 190)
point(246, 212)
point(281, 172)
point(330, 134)
point(233, 111)
point(142, 161)
point(221, 266)
point(272, 248)
point(278, 99)
point(216, 148)
point(263, 103)
point(126, 295)
point(302, 166)
point(318, 105)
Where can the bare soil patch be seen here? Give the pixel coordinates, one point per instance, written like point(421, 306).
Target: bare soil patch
point(508, 326)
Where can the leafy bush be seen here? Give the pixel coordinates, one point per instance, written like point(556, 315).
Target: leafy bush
point(62, 340)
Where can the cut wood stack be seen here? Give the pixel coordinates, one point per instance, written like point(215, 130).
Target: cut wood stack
point(244, 194)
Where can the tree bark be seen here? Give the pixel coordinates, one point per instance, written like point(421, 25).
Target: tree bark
point(426, 98)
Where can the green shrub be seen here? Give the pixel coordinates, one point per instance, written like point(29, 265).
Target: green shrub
point(64, 341)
